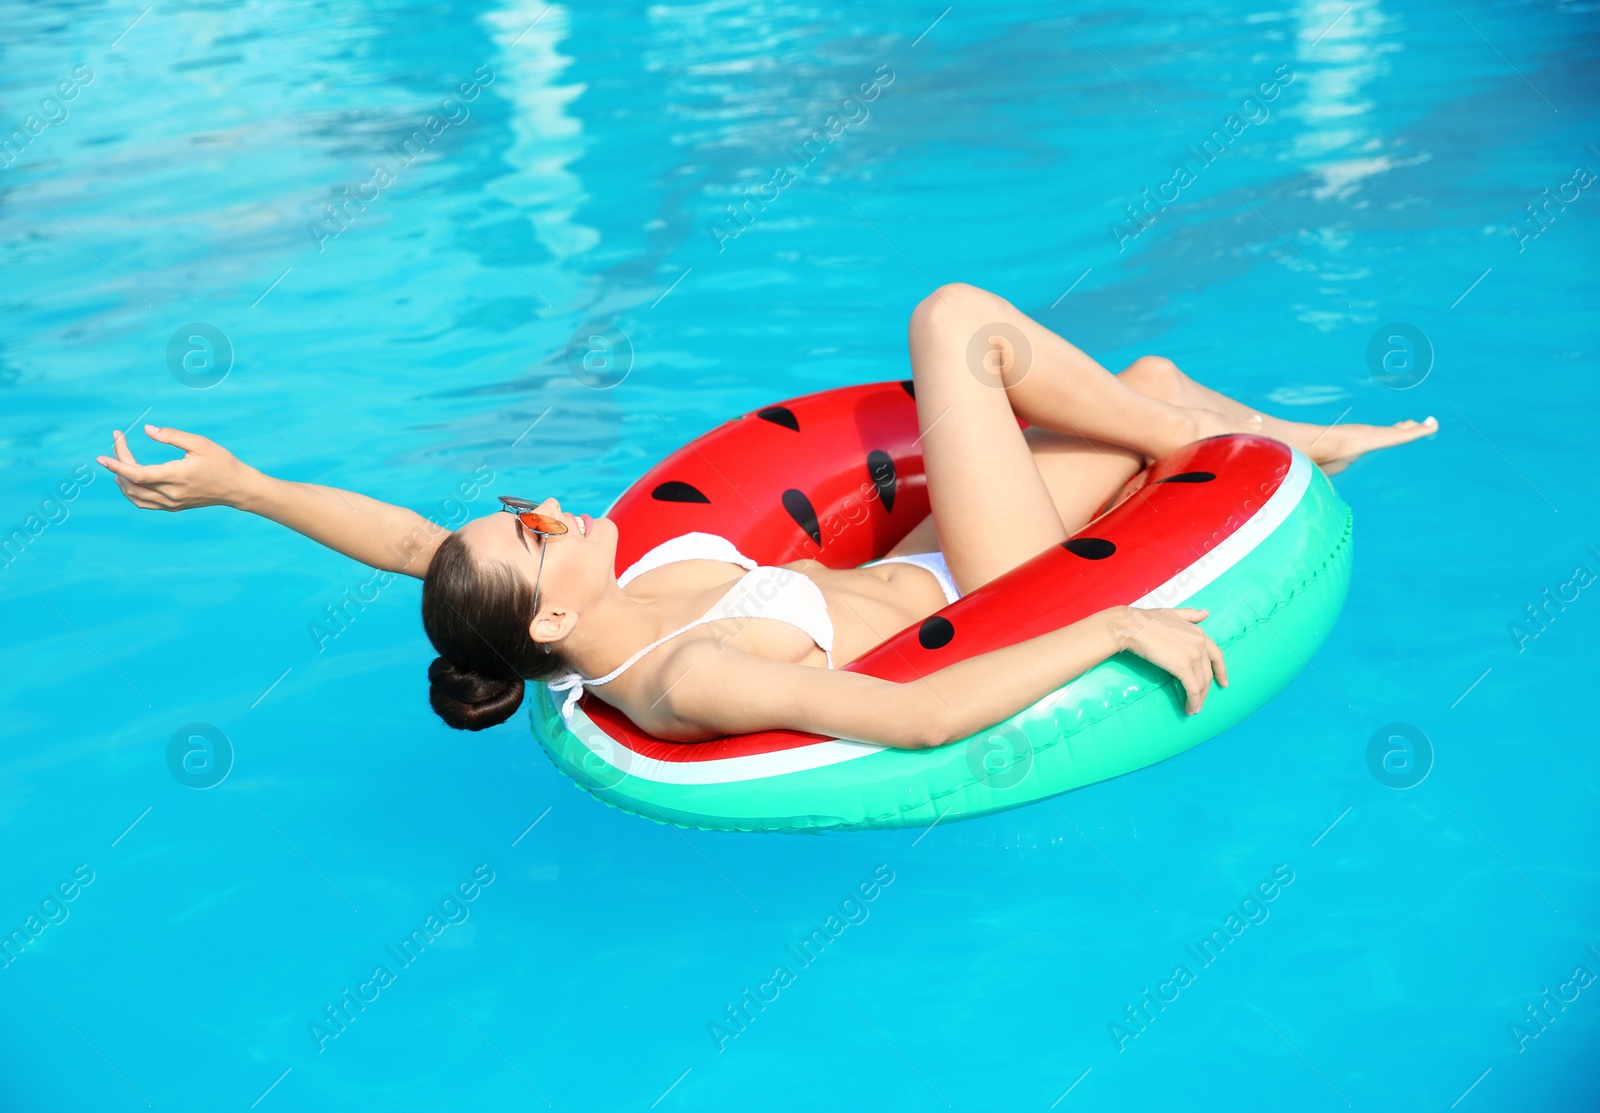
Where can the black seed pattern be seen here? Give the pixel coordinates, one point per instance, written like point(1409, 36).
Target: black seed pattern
point(936, 632)
point(1190, 477)
point(880, 466)
point(1089, 548)
point(799, 508)
point(780, 415)
point(909, 387)
point(675, 491)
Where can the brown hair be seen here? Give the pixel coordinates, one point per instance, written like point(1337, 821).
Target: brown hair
point(476, 614)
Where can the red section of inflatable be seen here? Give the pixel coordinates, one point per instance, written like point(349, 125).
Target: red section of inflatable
point(732, 481)
point(837, 477)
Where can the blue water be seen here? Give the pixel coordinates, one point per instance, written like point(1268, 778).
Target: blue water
point(581, 184)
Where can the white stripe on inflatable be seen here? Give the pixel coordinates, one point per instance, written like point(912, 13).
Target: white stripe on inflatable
point(750, 767)
point(723, 770)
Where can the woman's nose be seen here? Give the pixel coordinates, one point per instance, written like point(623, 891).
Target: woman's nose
point(550, 507)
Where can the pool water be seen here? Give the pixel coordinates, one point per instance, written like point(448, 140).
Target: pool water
point(552, 174)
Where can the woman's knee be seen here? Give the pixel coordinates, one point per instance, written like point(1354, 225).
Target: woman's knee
point(1156, 377)
point(956, 305)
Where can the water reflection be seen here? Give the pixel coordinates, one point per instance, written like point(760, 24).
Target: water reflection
point(1341, 49)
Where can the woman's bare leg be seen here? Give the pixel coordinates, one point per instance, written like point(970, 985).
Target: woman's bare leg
point(1151, 406)
point(1081, 476)
point(981, 363)
point(1331, 446)
point(1049, 381)
point(992, 507)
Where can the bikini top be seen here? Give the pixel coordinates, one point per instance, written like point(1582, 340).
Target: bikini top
point(764, 591)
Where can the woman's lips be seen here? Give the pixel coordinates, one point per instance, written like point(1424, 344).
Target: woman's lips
point(588, 524)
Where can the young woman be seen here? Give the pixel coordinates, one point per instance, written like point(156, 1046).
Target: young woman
point(678, 642)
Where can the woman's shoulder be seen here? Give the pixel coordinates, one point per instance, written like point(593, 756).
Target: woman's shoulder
point(648, 693)
point(706, 687)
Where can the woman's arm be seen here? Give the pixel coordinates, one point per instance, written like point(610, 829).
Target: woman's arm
point(719, 690)
point(388, 537)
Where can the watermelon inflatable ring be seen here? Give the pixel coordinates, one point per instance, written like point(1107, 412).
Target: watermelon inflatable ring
point(1241, 525)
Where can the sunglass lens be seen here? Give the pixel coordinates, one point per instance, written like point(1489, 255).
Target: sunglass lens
point(541, 523)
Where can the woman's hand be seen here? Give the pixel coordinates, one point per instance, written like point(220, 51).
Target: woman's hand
point(390, 538)
point(1171, 640)
point(208, 474)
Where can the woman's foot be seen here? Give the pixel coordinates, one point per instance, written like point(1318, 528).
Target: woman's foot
point(1337, 445)
point(1330, 447)
point(1205, 413)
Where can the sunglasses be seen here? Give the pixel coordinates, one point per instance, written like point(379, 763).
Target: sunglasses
point(534, 522)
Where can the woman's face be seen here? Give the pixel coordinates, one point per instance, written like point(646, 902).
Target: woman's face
point(579, 566)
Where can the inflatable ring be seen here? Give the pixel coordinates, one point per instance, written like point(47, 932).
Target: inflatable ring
point(1241, 525)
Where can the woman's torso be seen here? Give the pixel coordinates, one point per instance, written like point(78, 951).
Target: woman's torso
point(866, 606)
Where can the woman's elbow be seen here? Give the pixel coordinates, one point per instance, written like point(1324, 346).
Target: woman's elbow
point(931, 728)
point(909, 732)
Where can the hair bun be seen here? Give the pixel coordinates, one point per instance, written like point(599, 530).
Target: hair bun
point(470, 700)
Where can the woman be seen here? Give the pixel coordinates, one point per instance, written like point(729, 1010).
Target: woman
point(677, 644)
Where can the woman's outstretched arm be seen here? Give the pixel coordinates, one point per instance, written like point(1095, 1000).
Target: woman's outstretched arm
point(713, 689)
point(388, 537)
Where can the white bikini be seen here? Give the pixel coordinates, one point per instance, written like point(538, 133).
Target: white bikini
point(764, 591)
